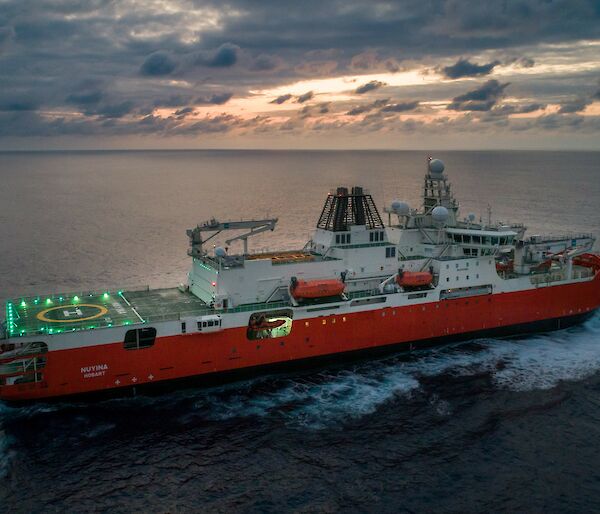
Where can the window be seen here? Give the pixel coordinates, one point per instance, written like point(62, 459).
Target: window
point(183, 328)
point(447, 279)
point(476, 240)
point(139, 338)
point(390, 252)
point(337, 239)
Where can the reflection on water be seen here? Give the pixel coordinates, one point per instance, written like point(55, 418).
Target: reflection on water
point(488, 424)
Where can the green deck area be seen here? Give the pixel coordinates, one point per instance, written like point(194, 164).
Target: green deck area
point(68, 312)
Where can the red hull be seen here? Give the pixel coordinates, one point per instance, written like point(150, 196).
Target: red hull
point(69, 372)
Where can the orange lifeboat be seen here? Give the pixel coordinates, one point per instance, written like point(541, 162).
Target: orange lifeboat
point(414, 278)
point(310, 289)
point(262, 323)
point(505, 265)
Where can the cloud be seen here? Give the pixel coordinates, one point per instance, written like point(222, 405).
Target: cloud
point(116, 110)
point(575, 105)
point(370, 61)
point(316, 68)
point(361, 109)
point(305, 97)
point(281, 99)
point(266, 62)
point(158, 64)
point(507, 109)
point(465, 68)
point(85, 97)
point(481, 99)
point(369, 86)
point(214, 99)
point(224, 56)
point(182, 113)
point(7, 34)
point(401, 107)
point(18, 104)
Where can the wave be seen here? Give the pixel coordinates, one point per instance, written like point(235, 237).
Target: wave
point(336, 396)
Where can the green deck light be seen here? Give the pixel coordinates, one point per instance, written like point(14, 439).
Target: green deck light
point(36, 301)
point(60, 298)
point(23, 304)
point(76, 298)
point(105, 296)
point(48, 301)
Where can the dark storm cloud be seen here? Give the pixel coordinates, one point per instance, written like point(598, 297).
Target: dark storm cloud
point(481, 99)
point(116, 110)
point(265, 62)
point(305, 97)
point(465, 68)
point(158, 64)
point(281, 99)
point(401, 107)
point(18, 104)
point(369, 86)
point(575, 105)
point(238, 46)
point(91, 97)
point(214, 99)
point(505, 110)
point(361, 109)
point(224, 56)
point(6, 36)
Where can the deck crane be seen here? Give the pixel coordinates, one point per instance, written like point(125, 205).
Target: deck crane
point(216, 227)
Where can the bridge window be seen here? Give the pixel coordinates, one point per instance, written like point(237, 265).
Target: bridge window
point(139, 338)
point(390, 252)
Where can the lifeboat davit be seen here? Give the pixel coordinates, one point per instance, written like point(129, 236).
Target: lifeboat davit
point(414, 278)
point(310, 289)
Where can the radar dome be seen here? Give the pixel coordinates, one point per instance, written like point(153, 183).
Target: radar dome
point(436, 167)
point(471, 217)
point(220, 251)
point(400, 208)
point(440, 214)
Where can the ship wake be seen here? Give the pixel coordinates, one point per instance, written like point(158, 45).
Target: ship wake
point(325, 399)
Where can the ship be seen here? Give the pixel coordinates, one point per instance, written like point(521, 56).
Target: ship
point(360, 286)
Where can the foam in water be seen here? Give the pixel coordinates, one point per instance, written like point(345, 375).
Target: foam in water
point(332, 398)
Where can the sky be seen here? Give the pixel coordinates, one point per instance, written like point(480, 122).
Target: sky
point(406, 74)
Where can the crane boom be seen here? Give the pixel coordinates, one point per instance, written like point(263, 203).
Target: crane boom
point(216, 227)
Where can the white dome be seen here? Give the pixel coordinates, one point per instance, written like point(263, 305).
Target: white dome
point(400, 208)
point(440, 214)
point(220, 251)
point(436, 167)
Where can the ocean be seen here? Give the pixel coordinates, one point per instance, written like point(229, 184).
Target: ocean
point(486, 425)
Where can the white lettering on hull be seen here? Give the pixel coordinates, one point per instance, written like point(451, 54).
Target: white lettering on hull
point(97, 370)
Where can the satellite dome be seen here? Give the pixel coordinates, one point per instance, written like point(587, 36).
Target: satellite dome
point(400, 208)
point(220, 251)
point(471, 217)
point(440, 214)
point(436, 167)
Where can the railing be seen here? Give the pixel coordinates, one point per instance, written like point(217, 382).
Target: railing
point(559, 276)
point(549, 238)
